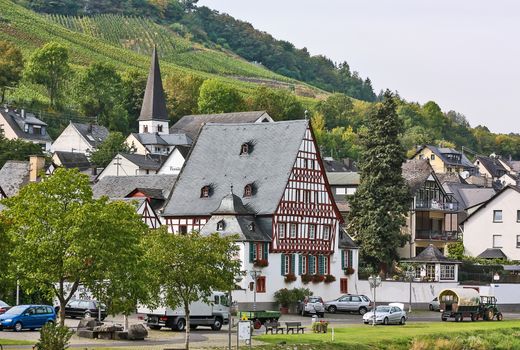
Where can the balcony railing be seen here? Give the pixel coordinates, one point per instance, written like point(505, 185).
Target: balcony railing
point(435, 205)
point(434, 235)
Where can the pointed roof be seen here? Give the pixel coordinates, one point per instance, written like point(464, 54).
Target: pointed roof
point(154, 102)
point(431, 254)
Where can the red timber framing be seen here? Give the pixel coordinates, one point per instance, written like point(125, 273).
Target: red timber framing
point(149, 216)
point(306, 206)
point(2, 194)
point(186, 224)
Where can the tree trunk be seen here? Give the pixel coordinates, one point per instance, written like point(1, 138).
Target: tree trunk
point(63, 303)
point(126, 323)
point(188, 326)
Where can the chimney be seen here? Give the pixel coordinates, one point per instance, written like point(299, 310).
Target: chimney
point(23, 113)
point(89, 130)
point(347, 162)
point(36, 164)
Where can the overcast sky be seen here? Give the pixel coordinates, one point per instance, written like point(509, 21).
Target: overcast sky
point(463, 54)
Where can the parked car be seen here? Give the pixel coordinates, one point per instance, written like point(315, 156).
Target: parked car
point(434, 305)
point(85, 308)
point(4, 307)
point(27, 316)
point(311, 305)
point(349, 302)
point(387, 314)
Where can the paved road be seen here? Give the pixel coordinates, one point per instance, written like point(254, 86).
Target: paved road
point(204, 337)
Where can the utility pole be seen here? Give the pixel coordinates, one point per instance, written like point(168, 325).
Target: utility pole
point(117, 163)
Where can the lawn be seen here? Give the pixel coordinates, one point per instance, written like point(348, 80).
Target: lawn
point(16, 342)
point(364, 336)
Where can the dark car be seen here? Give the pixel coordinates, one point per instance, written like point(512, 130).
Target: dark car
point(27, 316)
point(85, 308)
point(4, 307)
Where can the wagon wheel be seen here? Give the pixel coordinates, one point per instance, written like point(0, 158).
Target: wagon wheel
point(257, 324)
point(488, 316)
point(473, 317)
point(500, 317)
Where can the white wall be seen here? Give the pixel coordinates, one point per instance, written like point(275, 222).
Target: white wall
point(173, 164)
point(138, 147)
point(480, 228)
point(125, 168)
point(153, 126)
point(71, 141)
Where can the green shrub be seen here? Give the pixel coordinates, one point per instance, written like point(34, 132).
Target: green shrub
point(54, 337)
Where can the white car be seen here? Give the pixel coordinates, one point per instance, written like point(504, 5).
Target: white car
point(386, 314)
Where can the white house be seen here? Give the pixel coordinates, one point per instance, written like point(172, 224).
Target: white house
point(80, 138)
point(125, 164)
point(16, 124)
point(173, 164)
point(266, 182)
point(493, 230)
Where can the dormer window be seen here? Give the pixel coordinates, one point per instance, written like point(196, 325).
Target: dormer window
point(221, 225)
point(159, 128)
point(204, 192)
point(248, 190)
point(244, 150)
point(252, 226)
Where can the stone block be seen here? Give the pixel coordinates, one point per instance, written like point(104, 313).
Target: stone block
point(137, 332)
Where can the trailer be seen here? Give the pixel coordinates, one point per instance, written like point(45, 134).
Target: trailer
point(459, 303)
point(259, 317)
point(213, 314)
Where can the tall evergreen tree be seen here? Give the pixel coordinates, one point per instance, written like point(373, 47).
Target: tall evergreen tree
point(381, 202)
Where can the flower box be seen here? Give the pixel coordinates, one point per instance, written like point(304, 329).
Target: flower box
point(318, 278)
point(320, 327)
point(306, 278)
point(349, 271)
point(329, 278)
point(290, 278)
point(261, 263)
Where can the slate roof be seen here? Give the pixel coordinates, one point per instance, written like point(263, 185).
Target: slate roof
point(163, 139)
point(515, 165)
point(17, 123)
point(93, 134)
point(215, 161)
point(343, 178)
point(155, 193)
point(493, 166)
point(154, 101)
point(431, 254)
point(121, 186)
point(13, 176)
point(492, 253)
point(73, 160)
point(191, 124)
point(345, 241)
point(148, 162)
point(475, 195)
point(508, 187)
point(332, 165)
point(416, 172)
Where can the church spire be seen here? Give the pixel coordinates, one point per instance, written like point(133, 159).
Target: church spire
point(154, 102)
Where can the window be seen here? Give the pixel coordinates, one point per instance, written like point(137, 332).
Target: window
point(260, 284)
point(518, 241)
point(430, 271)
point(286, 264)
point(518, 216)
point(281, 230)
point(343, 285)
point(326, 232)
point(145, 128)
point(303, 264)
point(221, 225)
point(447, 272)
point(449, 170)
point(497, 215)
point(346, 259)
point(432, 157)
point(244, 149)
point(204, 192)
point(497, 241)
point(159, 128)
point(248, 190)
point(312, 264)
point(183, 229)
point(293, 230)
point(306, 196)
point(340, 190)
point(312, 231)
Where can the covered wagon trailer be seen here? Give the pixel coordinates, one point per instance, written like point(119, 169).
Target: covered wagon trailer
point(458, 303)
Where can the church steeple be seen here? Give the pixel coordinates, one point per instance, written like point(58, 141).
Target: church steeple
point(154, 102)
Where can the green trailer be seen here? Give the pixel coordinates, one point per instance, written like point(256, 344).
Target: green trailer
point(259, 317)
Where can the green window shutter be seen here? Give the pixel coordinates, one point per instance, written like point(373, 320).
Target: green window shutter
point(300, 270)
point(293, 263)
point(343, 258)
point(283, 264)
point(266, 251)
point(321, 267)
point(251, 251)
point(312, 264)
point(350, 258)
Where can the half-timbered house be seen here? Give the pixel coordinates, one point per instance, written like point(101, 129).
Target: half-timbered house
point(281, 206)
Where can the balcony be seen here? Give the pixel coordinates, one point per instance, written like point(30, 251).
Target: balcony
point(435, 235)
point(436, 205)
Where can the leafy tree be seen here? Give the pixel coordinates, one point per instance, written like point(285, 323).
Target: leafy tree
point(191, 267)
point(55, 337)
point(7, 281)
point(72, 239)
point(279, 104)
point(379, 206)
point(133, 86)
point(11, 67)
point(109, 148)
point(100, 96)
point(49, 66)
point(17, 149)
point(337, 109)
point(217, 97)
point(183, 93)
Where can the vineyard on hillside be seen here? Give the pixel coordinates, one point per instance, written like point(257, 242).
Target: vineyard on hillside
point(140, 35)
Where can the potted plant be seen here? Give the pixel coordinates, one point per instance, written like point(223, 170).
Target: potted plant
point(306, 278)
point(318, 278)
point(320, 327)
point(349, 271)
point(283, 297)
point(261, 263)
point(291, 277)
point(329, 278)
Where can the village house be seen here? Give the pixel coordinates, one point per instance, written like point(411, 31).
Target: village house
point(266, 182)
point(491, 231)
point(16, 124)
point(80, 138)
point(445, 160)
point(17, 173)
point(173, 164)
point(126, 164)
point(432, 266)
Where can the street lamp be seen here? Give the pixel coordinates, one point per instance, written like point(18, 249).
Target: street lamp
point(375, 281)
point(254, 275)
point(410, 273)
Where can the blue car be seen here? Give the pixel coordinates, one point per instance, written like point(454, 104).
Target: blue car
point(27, 316)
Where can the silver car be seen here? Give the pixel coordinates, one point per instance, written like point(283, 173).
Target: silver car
point(386, 314)
point(351, 303)
point(311, 305)
point(434, 305)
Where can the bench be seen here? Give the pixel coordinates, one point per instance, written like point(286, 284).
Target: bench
point(291, 326)
point(273, 326)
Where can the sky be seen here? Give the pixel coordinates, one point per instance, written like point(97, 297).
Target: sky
point(462, 54)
